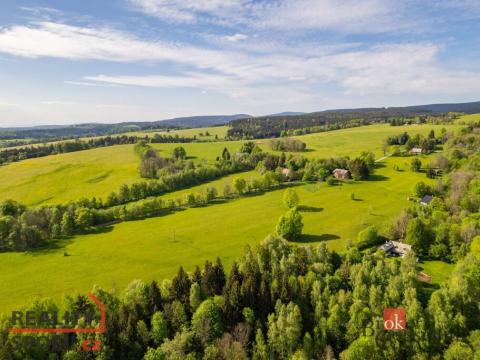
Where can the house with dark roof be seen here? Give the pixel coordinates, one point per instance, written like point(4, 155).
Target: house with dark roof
point(427, 199)
point(395, 248)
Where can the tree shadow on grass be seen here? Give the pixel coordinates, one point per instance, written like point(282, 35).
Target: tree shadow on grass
point(309, 238)
point(60, 243)
point(99, 229)
point(307, 208)
point(51, 247)
point(379, 165)
point(42, 201)
point(377, 177)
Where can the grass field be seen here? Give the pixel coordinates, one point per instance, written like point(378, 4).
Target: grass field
point(438, 270)
point(154, 248)
point(200, 133)
point(465, 119)
point(97, 172)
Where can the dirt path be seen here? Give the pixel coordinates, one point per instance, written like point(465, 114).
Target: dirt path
point(383, 158)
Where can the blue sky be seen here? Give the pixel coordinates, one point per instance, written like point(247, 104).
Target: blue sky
point(139, 60)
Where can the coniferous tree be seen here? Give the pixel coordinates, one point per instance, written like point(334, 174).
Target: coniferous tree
point(180, 289)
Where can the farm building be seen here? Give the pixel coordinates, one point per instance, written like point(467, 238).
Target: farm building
point(341, 174)
point(286, 172)
point(427, 199)
point(415, 151)
point(395, 248)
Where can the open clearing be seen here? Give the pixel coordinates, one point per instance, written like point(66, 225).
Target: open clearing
point(154, 248)
point(65, 177)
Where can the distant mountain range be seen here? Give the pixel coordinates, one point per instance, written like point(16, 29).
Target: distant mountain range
point(468, 108)
point(288, 113)
point(59, 131)
point(201, 121)
point(273, 125)
point(87, 129)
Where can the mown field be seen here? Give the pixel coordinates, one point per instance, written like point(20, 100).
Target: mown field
point(65, 177)
point(154, 248)
point(465, 119)
point(200, 133)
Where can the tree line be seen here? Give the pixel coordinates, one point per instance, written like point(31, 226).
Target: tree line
point(275, 126)
point(27, 152)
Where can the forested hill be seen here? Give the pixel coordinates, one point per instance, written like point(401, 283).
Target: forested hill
point(273, 125)
point(95, 129)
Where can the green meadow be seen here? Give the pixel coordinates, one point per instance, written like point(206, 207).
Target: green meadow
point(200, 133)
point(154, 248)
point(65, 177)
point(465, 119)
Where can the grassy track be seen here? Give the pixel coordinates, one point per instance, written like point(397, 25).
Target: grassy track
point(154, 248)
point(96, 172)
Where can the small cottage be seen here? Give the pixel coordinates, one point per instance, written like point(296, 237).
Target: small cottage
point(341, 174)
point(427, 199)
point(395, 248)
point(415, 151)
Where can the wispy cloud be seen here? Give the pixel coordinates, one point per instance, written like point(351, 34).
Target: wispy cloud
point(394, 68)
point(55, 102)
point(84, 83)
point(7, 105)
point(377, 70)
point(356, 16)
point(189, 11)
point(236, 37)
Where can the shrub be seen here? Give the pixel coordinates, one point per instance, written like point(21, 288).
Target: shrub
point(368, 237)
point(290, 225)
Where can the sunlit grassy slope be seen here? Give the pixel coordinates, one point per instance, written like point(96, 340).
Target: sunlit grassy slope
point(200, 133)
point(155, 247)
point(97, 172)
point(465, 119)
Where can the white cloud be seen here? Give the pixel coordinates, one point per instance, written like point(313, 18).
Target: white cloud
point(188, 10)
point(377, 70)
point(254, 71)
point(236, 37)
point(84, 83)
point(356, 16)
point(7, 105)
point(49, 39)
point(55, 102)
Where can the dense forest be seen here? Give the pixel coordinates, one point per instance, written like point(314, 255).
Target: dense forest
point(275, 126)
point(278, 302)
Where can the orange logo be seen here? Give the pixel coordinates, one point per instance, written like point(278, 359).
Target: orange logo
point(394, 319)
